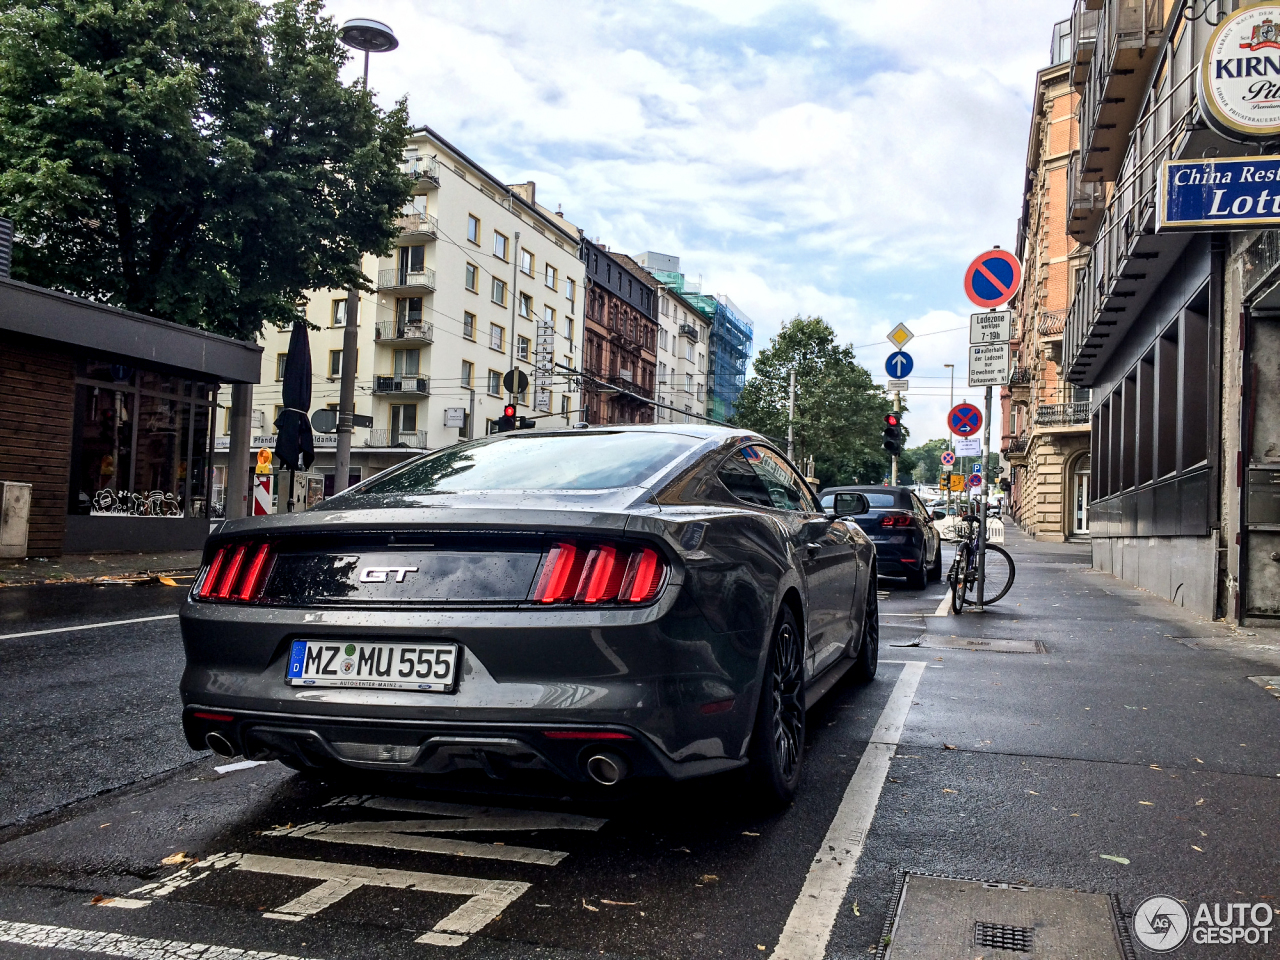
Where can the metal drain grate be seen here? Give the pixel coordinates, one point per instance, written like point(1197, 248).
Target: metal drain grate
point(1002, 936)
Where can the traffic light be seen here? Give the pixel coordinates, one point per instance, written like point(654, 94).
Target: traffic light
point(1006, 486)
point(893, 434)
point(508, 419)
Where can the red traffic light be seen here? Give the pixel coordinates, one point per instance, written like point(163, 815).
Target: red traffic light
point(891, 419)
point(509, 410)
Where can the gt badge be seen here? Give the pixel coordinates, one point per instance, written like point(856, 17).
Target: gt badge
point(381, 574)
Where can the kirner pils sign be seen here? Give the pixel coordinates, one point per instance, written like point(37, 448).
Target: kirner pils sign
point(1240, 75)
point(1239, 193)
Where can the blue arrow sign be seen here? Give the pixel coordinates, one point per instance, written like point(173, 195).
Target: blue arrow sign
point(899, 364)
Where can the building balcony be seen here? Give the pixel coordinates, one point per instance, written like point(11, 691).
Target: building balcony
point(1128, 260)
point(397, 438)
point(393, 280)
point(1020, 386)
point(624, 380)
point(689, 332)
point(423, 171)
point(416, 227)
point(1084, 37)
point(1126, 38)
point(1017, 448)
point(403, 334)
point(1052, 324)
point(402, 386)
point(1063, 414)
point(1087, 200)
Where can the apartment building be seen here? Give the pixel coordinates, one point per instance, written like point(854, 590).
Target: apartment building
point(1175, 321)
point(1046, 418)
point(620, 337)
point(683, 331)
point(483, 279)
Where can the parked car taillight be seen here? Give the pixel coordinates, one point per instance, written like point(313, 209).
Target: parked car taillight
point(238, 571)
point(599, 573)
point(896, 520)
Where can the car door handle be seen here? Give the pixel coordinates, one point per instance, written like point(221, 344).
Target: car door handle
point(813, 546)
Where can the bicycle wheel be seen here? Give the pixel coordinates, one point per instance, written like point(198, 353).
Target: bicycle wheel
point(998, 575)
point(958, 578)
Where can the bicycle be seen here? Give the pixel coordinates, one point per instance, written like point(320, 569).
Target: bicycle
point(963, 576)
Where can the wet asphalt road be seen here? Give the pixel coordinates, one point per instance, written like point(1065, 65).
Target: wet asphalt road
point(1124, 738)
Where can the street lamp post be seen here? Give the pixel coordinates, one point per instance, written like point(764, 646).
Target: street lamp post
point(371, 37)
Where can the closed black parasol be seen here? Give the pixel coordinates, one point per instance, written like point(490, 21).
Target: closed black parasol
point(295, 445)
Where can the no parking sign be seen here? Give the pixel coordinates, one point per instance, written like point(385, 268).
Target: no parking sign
point(993, 278)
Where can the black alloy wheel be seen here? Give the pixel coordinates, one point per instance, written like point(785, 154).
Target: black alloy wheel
point(864, 669)
point(777, 746)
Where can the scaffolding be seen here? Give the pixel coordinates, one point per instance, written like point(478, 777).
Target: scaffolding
point(728, 347)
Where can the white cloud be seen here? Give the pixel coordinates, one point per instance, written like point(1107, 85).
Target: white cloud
point(841, 157)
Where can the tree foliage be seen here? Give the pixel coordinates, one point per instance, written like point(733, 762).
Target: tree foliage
point(197, 160)
point(839, 409)
point(925, 462)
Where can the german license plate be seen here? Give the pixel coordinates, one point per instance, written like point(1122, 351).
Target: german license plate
point(380, 666)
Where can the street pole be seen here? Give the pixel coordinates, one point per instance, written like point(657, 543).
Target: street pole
point(515, 279)
point(471, 415)
point(951, 442)
point(366, 35)
point(893, 470)
point(238, 455)
point(982, 506)
point(791, 416)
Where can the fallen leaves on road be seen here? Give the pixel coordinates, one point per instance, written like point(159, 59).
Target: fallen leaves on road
point(1153, 766)
point(1146, 803)
point(1107, 856)
point(1200, 802)
point(1033, 793)
point(856, 913)
point(748, 833)
point(1194, 847)
point(679, 849)
point(947, 790)
point(621, 903)
point(1197, 760)
point(709, 878)
point(99, 899)
point(589, 906)
point(177, 859)
point(947, 746)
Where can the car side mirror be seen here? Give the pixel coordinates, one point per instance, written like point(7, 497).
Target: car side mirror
point(851, 504)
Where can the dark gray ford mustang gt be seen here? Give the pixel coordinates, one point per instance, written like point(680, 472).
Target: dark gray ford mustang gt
point(604, 603)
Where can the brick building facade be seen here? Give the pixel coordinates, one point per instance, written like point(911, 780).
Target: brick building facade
point(620, 337)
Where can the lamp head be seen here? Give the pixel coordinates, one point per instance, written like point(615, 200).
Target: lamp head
point(371, 36)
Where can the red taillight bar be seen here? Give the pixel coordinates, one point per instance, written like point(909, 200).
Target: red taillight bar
point(217, 717)
point(224, 579)
point(599, 573)
point(896, 520)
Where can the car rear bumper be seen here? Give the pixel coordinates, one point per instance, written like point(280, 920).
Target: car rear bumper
point(895, 559)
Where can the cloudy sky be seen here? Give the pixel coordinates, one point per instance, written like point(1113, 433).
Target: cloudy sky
point(845, 158)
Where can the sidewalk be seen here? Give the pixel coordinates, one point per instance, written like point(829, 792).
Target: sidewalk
point(86, 569)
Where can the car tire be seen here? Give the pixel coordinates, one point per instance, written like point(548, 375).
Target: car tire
point(864, 668)
point(935, 569)
point(777, 743)
point(917, 579)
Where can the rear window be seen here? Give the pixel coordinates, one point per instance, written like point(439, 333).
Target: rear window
point(881, 500)
point(590, 460)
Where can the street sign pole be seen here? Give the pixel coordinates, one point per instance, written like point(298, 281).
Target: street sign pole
point(893, 470)
point(982, 507)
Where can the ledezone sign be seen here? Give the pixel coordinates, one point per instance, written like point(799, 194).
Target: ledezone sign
point(1240, 75)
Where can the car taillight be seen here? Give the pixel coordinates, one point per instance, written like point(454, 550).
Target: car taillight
point(238, 571)
point(896, 520)
point(599, 573)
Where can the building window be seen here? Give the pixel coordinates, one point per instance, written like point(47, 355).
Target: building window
point(280, 359)
point(338, 315)
point(335, 363)
point(413, 260)
point(499, 292)
point(468, 371)
point(473, 274)
point(468, 325)
point(526, 305)
point(570, 290)
point(564, 407)
point(522, 397)
point(568, 329)
point(665, 306)
point(408, 310)
point(495, 383)
point(404, 419)
point(526, 262)
point(662, 338)
point(548, 317)
point(662, 372)
point(279, 409)
point(499, 245)
point(407, 363)
point(688, 383)
point(522, 348)
point(551, 276)
point(473, 229)
point(497, 337)
point(702, 363)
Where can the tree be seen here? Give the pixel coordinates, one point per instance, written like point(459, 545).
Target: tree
point(839, 409)
point(926, 461)
point(196, 160)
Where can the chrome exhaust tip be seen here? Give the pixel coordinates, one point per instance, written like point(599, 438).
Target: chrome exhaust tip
point(220, 744)
point(607, 768)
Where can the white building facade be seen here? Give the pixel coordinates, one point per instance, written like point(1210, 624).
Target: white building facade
point(482, 279)
point(682, 343)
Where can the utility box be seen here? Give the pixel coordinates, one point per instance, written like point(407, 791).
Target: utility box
point(15, 514)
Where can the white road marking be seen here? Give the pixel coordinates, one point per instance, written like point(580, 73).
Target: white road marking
point(809, 926)
point(472, 817)
point(239, 765)
point(944, 608)
point(119, 945)
point(486, 898)
point(87, 626)
point(404, 835)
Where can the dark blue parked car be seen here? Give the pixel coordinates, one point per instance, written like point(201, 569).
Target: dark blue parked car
point(901, 527)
